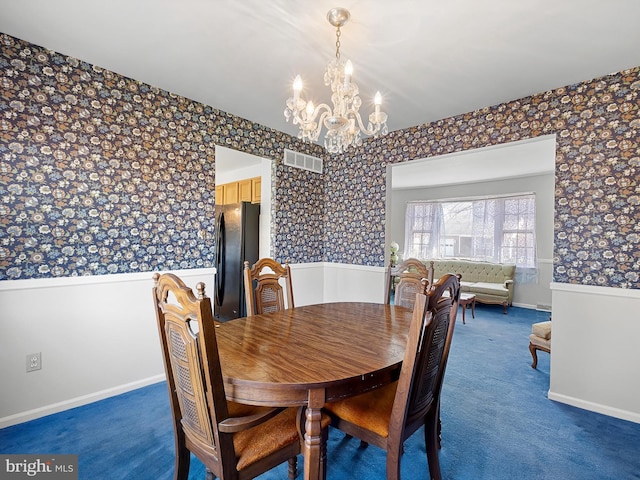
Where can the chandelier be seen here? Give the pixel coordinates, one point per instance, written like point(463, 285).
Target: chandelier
point(343, 122)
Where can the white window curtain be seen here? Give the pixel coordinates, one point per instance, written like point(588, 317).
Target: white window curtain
point(423, 228)
point(496, 229)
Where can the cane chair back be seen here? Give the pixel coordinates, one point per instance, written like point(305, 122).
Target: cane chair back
point(413, 277)
point(264, 292)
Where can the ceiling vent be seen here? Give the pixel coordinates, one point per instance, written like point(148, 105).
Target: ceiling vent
point(301, 160)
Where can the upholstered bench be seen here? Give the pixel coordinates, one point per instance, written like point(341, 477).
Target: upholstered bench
point(539, 339)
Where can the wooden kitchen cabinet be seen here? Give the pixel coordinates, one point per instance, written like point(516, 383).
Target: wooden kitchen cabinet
point(230, 193)
point(247, 190)
point(256, 187)
point(219, 194)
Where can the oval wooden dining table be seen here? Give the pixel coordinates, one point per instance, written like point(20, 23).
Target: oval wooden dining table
point(310, 355)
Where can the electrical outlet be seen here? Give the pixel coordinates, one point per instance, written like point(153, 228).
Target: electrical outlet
point(34, 362)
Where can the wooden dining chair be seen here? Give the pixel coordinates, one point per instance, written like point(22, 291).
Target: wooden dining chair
point(413, 277)
point(263, 291)
point(388, 416)
point(233, 441)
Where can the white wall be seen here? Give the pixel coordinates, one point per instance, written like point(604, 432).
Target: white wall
point(353, 283)
point(595, 359)
point(308, 283)
point(98, 337)
point(335, 282)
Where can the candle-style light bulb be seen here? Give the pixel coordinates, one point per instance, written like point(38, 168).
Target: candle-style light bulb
point(310, 109)
point(377, 100)
point(297, 86)
point(348, 71)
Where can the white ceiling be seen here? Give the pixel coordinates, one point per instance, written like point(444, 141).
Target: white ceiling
point(431, 59)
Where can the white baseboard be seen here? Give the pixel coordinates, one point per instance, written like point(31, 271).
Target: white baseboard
point(77, 402)
point(524, 305)
point(595, 407)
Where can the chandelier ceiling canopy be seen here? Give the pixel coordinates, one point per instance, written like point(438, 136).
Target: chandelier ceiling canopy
point(343, 123)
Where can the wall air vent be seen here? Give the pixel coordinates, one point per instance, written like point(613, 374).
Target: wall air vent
point(302, 160)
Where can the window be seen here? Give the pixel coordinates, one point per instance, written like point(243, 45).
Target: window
point(498, 229)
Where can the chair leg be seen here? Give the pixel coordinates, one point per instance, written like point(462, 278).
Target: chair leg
point(293, 468)
point(534, 355)
point(363, 444)
point(432, 443)
point(183, 460)
point(323, 454)
point(439, 429)
point(394, 454)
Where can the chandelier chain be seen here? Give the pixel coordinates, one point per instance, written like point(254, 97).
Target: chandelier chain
point(338, 33)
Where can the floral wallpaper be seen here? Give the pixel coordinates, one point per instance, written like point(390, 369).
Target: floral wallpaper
point(597, 193)
point(103, 174)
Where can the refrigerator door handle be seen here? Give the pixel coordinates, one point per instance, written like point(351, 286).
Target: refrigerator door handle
point(220, 264)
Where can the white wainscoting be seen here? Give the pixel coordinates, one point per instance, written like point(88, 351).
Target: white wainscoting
point(595, 360)
point(98, 338)
point(353, 283)
point(336, 282)
point(98, 335)
point(308, 283)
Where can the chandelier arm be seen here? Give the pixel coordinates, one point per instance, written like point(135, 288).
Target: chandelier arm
point(358, 118)
point(316, 111)
point(317, 131)
point(310, 128)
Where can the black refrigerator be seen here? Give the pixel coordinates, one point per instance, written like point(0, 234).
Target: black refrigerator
point(237, 240)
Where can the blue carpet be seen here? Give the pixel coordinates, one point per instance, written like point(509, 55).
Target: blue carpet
point(497, 424)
